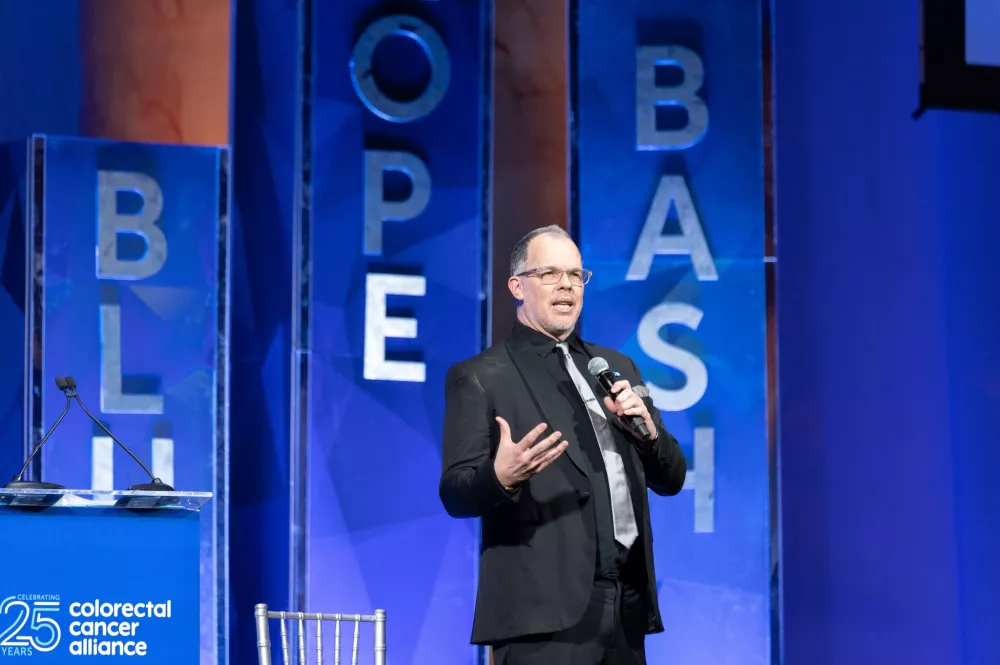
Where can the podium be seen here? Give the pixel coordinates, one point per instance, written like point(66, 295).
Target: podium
point(99, 576)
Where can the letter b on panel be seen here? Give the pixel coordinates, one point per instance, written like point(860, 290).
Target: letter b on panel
point(649, 96)
point(111, 223)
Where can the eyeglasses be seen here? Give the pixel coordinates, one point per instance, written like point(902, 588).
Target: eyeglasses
point(551, 276)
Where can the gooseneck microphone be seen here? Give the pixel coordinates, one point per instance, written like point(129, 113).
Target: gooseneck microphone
point(600, 370)
point(17, 483)
point(156, 485)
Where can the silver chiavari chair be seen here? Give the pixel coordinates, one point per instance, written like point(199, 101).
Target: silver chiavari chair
point(300, 619)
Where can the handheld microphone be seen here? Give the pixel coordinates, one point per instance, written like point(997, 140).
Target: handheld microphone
point(17, 483)
point(599, 369)
point(156, 485)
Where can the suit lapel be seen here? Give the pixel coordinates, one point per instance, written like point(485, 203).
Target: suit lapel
point(554, 408)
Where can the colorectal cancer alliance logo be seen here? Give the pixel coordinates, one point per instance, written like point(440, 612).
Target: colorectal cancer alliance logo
point(34, 624)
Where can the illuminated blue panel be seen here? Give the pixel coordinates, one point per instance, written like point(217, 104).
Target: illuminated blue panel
point(396, 228)
point(131, 247)
point(669, 213)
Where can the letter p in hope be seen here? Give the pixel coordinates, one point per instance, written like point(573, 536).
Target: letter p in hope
point(377, 208)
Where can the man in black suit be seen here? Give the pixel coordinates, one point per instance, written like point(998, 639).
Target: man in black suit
point(566, 565)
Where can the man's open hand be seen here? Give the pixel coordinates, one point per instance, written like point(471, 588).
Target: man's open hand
point(516, 462)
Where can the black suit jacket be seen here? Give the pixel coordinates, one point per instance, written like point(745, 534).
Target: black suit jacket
point(537, 558)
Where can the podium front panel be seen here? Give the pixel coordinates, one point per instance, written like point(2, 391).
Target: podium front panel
point(97, 584)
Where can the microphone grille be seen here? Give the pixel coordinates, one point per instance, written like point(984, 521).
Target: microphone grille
point(597, 366)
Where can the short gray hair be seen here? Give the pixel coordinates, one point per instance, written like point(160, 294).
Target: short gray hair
point(520, 254)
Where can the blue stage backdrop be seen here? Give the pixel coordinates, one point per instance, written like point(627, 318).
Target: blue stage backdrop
point(396, 227)
point(889, 316)
point(130, 251)
point(668, 209)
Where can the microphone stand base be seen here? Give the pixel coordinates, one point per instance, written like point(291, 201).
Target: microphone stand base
point(151, 487)
point(31, 485)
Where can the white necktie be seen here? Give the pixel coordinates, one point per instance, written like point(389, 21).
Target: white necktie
point(622, 512)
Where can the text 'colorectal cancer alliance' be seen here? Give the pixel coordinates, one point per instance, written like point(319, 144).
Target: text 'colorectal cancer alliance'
point(123, 624)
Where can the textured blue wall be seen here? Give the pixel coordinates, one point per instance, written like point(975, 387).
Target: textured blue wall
point(264, 178)
point(972, 237)
point(889, 368)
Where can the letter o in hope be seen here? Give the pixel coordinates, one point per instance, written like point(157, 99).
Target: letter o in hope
point(364, 79)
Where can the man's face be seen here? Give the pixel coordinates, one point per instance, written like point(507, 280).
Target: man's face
point(552, 309)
